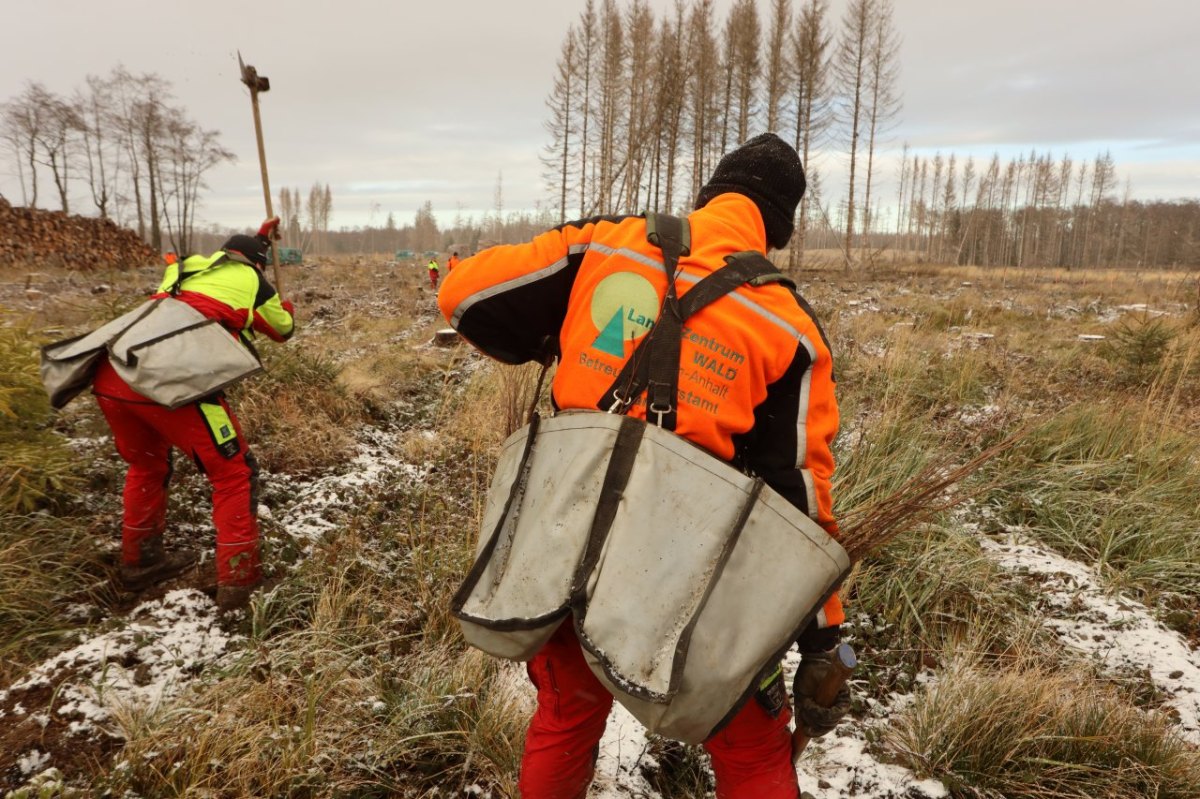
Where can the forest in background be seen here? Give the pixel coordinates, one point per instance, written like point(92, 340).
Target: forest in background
point(640, 109)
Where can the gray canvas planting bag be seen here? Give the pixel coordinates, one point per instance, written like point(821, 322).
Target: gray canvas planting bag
point(164, 349)
point(686, 579)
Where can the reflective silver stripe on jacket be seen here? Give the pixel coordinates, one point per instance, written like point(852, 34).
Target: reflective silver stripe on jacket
point(508, 285)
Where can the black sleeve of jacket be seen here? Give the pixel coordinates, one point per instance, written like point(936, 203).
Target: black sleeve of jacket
point(522, 324)
point(770, 449)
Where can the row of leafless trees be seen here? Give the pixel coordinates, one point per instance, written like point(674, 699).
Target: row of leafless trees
point(140, 157)
point(461, 233)
point(642, 108)
point(305, 224)
point(1035, 211)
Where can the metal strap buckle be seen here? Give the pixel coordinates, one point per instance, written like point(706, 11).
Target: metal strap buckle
point(660, 411)
point(619, 403)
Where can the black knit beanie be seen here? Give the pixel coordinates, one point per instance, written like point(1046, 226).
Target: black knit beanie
point(253, 248)
point(767, 170)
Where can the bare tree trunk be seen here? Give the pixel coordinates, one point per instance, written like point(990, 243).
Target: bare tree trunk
point(810, 64)
point(587, 38)
point(882, 101)
point(776, 78)
point(561, 103)
point(702, 52)
point(851, 63)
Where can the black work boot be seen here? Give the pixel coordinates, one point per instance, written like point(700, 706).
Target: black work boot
point(235, 597)
point(155, 565)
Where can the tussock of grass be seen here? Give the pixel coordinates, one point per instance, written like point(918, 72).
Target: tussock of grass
point(328, 723)
point(494, 403)
point(1109, 484)
point(929, 588)
point(298, 417)
point(35, 464)
point(43, 560)
point(1027, 732)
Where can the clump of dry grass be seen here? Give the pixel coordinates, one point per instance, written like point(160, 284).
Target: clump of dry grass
point(43, 560)
point(494, 402)
point(1032, 732)
point(1110, 484)
point(297, 416)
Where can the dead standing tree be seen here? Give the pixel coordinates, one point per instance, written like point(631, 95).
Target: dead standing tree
point(561, 103)
point(101, 151)
point(776, 78)
point(810, 42)
point(703, 92)
point(57, 138)
point(23, 121)
point(188, 153)
point(850, 68)
point(745, 67)
point(882, 101)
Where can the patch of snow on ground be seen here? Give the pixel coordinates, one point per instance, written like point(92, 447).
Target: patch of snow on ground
point(859, 307)
point(139, 665)
point(975, 415)
point(1117, 311)
point(835, 767)
point(1119, 632)
point(622, 753)
point(308, 516)
point(841, 761)
point(32, 760)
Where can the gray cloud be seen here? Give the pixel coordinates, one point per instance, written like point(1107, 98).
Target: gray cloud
point(397, 103)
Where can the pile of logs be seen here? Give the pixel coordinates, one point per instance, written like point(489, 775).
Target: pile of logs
point(30, 237)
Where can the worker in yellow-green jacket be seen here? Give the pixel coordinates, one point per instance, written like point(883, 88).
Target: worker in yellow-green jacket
point(228, 286)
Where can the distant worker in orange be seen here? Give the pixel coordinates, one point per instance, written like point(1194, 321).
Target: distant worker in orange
point(453, 262)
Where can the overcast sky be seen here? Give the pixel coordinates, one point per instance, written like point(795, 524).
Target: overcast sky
point(395, 103)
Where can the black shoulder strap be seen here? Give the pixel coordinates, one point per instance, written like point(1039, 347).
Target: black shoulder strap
point(181, 276)
point(654, 365)
point(673, 236)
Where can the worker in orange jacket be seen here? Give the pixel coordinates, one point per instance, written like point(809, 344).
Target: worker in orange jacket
point(756, 388)
point(230, 287)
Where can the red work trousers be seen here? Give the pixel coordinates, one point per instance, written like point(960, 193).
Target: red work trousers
point(144, 433)
point(751, 756)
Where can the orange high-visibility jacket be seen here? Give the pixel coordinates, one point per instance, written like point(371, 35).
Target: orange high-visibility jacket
point(756, 384)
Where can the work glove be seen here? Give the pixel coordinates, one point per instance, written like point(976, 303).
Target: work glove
point(287, 306)
point(270, 229)
point(811, 718)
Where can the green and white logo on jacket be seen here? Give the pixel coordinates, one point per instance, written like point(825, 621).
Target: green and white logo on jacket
point(624, 307)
